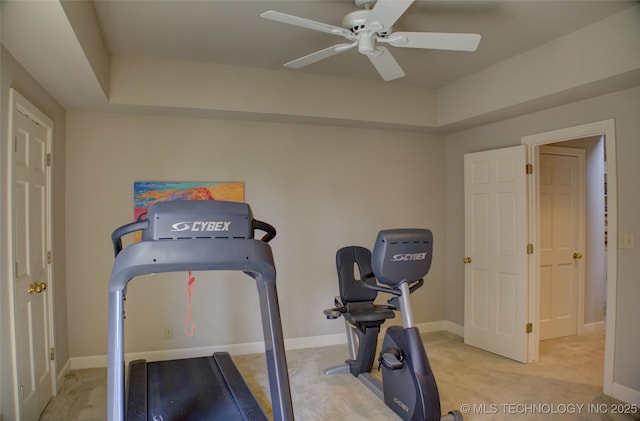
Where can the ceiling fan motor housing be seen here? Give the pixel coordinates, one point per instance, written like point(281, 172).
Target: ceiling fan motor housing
point(356, 20)
point(368, 4)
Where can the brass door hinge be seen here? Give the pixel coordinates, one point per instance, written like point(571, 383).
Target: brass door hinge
point(52, 354)
point(48, 160)
point(529, 248)
point(529, 168)
point(49, 257)
point(529, 328)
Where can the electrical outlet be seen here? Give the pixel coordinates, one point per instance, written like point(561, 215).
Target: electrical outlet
point(168, 332)
point(626, 241)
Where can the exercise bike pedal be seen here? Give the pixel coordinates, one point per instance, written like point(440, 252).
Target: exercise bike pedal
point(392, 359)
point(333, 315)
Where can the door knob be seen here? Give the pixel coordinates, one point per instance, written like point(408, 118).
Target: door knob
point(577, 256)
point(467, 260)
point(37, 288)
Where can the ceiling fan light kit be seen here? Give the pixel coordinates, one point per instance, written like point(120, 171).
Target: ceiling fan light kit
point(370, 25)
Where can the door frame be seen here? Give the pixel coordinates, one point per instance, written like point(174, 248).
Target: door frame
point(18, 103)
point(604, 128)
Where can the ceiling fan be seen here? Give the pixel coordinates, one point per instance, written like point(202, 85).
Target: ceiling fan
point(372, 25)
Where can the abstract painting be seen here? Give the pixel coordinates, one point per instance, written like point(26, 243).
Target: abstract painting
point(145, 193)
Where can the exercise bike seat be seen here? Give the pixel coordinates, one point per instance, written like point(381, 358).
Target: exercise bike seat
point(356, 302)
point(356, 305)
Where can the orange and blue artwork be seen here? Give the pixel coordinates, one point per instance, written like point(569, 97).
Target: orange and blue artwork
point(146, 193)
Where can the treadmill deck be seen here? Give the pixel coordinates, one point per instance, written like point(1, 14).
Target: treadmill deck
point(193, 389)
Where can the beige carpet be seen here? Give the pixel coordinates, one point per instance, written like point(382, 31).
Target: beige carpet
point(565, 384)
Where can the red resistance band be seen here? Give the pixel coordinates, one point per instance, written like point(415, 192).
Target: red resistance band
point(189, 326)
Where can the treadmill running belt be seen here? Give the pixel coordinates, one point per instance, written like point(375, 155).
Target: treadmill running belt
point(196, 389)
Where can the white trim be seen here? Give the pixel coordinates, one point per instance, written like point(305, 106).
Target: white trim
point(234, 349)
point(533, 261)
point(315, 341)
point(99, 361)
point(442, 325)
point(594, 327)
point(92, 361)
point(17, 408)
point(596, 128)
point(625, 394)
point(62, 374)
point(604, 128)
point(21, 104)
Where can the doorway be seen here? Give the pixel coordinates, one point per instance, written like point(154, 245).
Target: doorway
point(590, 258)
point(561, 206)
point(604, 132)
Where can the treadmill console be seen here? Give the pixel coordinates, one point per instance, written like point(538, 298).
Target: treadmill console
point(191, 219)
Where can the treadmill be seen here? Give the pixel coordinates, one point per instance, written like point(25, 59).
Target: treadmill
point(194, 235)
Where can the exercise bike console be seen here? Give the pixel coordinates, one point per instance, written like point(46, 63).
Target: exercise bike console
point(402, 255)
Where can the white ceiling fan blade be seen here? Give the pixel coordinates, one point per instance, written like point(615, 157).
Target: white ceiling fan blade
point(385, 64)
point(318, 55)
point(385, 13)
point(306, 23)
point(434, 40)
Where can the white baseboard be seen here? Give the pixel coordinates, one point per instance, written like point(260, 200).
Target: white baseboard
point(316, 341)
point(442, 325)
point(593, 327)
point(625, 394)
point(61, 375)
point(94, 361)
point(99, 361)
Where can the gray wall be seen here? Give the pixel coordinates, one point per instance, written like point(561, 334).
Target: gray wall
point(623, 106)
point(321, 187)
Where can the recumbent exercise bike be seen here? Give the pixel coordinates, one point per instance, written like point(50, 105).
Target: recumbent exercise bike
point(400, 260)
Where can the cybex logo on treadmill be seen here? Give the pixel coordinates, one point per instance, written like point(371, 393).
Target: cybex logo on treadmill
point(408, 257)
point(201, 226)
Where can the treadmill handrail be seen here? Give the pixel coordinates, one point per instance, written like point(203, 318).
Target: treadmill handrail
point(159, 256)
point(116, 236)
point(270, 231)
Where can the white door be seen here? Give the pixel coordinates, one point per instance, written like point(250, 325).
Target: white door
point(496, 310)
point(31, 270)
point(561, 242)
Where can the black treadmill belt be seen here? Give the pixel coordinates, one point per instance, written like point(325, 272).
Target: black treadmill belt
point(196, 389)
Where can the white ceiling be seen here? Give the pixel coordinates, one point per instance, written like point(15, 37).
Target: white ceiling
point(232, 33)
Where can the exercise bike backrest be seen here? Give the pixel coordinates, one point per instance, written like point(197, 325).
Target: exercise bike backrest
point(195, 219)
point(349, 261)
point(402, 255)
